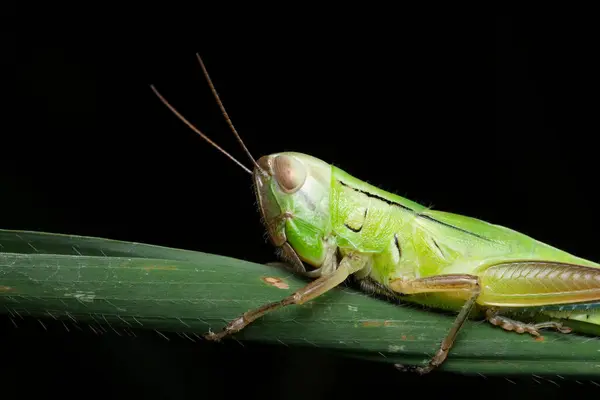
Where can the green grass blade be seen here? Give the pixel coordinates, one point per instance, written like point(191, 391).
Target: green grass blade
point(122, 284)
point(24, 242)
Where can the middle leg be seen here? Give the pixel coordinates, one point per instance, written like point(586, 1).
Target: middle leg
point(441, 283)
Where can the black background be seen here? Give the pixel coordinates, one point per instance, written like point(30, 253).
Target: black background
point(493, 118)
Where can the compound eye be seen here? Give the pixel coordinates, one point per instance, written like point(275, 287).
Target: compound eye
point(289, 173)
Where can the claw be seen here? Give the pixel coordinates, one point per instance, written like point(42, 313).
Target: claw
point(412, 368)
point(213, 337)
point(401, 367)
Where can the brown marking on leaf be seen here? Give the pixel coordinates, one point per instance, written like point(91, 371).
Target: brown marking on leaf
point(539, 339)
point(277, 282)
point(160, 268)
point(6, 289)
point(403, 337)
point(377, 323)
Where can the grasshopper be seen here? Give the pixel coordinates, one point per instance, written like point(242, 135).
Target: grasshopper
point(329, 226)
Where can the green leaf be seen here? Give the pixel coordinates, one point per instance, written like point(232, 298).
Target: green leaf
point(133, 285)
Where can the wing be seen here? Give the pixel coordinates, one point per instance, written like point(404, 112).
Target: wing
point(515, 270)
point(486, 243)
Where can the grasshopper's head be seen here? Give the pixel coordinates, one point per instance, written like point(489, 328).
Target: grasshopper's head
point(293, 195)
point(293, 191)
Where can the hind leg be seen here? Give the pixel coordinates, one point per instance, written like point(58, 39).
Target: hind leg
point(521, 327)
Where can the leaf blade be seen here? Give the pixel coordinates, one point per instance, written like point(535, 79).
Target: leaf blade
point(135, 285)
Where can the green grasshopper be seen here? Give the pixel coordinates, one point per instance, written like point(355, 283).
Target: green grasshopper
point(329, 226)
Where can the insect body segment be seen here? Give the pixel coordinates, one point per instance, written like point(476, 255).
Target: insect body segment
point(330, 226)
point(294, 200)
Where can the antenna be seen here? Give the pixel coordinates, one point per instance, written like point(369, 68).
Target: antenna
point(212, 88)
point(182, 118)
